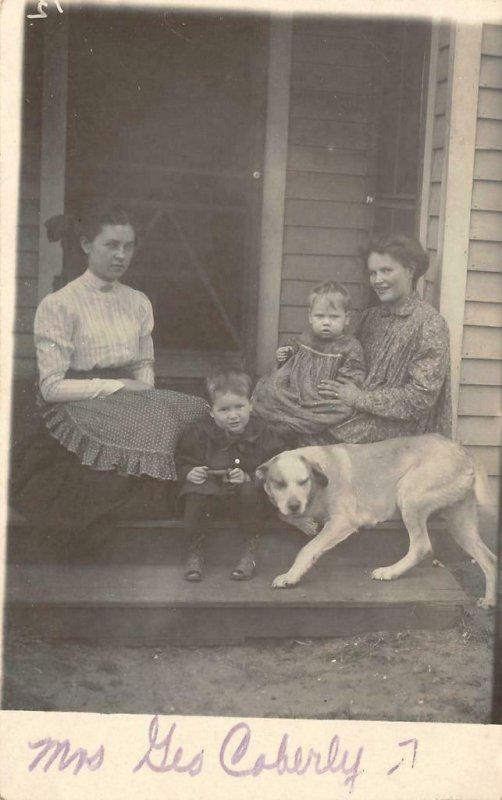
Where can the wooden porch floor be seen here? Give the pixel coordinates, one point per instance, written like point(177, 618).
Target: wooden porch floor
point(132, 590)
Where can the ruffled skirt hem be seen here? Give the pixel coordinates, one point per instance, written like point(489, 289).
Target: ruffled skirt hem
point(134, 433)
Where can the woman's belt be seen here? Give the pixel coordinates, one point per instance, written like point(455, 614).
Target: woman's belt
point(105, 372)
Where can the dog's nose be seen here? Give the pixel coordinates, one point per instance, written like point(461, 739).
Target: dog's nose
point(294, 506)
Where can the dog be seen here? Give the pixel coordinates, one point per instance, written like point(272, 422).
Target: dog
point(334, 489)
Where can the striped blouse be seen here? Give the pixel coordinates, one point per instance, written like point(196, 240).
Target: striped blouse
point(92, 324)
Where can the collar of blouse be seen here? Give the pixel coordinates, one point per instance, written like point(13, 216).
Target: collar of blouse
point(404, 310)
point(98, 284)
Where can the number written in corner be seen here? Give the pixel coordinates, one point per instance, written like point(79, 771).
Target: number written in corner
point(42, 5)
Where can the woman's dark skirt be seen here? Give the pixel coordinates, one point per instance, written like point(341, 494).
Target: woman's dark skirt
point(55, 492)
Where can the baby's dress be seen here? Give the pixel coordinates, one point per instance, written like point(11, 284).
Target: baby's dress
point(290, 394)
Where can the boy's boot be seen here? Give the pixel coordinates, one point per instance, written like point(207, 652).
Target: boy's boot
point(246, 567)
point(194, 566)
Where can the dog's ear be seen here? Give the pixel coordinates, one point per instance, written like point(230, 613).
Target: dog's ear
point(261, 473)
point(319, 475)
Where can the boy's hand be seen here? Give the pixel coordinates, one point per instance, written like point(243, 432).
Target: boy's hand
point(283, 353)
point(197, 475)
point(237, 475)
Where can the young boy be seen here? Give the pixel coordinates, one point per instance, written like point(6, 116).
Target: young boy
point(216, 460)
point(293, 393)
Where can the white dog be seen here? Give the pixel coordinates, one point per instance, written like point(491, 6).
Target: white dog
point(338, 488)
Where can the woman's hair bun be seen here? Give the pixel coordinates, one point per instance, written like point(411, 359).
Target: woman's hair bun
point(66, 228)
point(60, 227)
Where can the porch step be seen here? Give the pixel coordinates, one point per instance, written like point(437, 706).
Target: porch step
point(164, 542)
point(152, 604)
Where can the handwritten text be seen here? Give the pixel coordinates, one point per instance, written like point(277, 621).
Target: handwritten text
point(52, 749)
point(41, 6)
point(237, 760)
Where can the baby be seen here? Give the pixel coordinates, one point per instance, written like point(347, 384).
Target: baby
point(216, 459)
point(290, 394)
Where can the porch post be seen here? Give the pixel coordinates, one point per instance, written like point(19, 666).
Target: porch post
point(455, 214)
point(53, 152)
point(428, 144)
point(274, 189)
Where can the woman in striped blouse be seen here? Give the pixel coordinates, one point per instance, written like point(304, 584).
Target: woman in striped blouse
point(107, 423)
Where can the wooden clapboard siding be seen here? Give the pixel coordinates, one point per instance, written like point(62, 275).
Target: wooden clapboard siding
point(320, 214)
point(326, 160)
point(490, 104)
point(481, 372)
point(329, 241)
point(23, 342)
point(482, 342)
point(294, 293)
point(24, 318)
point(484, 286)
point(490, 458)
point(487, 195)
point(488, 165)
point(491, 76)
point(433, 184)
point(483, 314)
point(480, 431)
point(348, 269)
point(29, 207)
point(480, 399)
point(335, 83)
point(486, 225)
point(314, 186)
point(330, 134)
point(485, 256)
point(488, 134)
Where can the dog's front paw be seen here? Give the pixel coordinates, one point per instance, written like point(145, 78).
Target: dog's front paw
point(383, 574)
point(486, 603)
point(310, 528)
point(282, 581)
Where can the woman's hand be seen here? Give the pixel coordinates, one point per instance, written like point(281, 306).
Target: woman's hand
point(197, 475)
point(342, 389)
point(135, 386)
point(237, 475)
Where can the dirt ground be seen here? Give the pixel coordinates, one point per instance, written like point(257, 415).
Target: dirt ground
point(407, 675)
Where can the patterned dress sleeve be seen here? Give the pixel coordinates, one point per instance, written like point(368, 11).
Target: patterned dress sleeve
point(143, 369)
point(427, 371)
point(54, 343)
point(354, 365)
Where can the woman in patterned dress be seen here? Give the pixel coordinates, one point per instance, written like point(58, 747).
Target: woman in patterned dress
point(406, 345)
point(107, 423)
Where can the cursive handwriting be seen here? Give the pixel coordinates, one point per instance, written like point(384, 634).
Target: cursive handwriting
point(164, 762)
point(236, 759)
point(54, 748)
point(240, 755)
point(41, 6)
point(404, 743)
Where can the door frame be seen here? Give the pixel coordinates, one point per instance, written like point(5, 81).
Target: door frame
point(53, 179)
